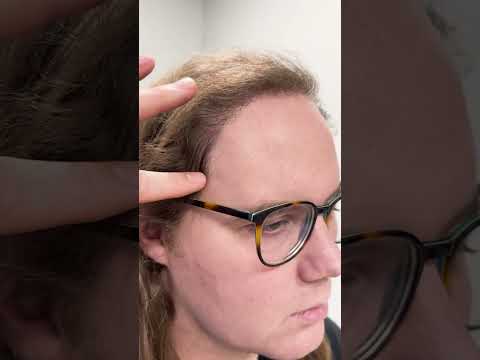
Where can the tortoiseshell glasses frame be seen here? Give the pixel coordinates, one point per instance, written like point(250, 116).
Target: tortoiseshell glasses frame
point(441, 251)
point(258, 218)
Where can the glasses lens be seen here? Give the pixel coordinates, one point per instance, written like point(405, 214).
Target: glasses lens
point(462, 278)
point(383, 269)
point(284, 231)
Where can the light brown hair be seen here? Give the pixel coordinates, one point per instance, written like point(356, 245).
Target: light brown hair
point(181, 140)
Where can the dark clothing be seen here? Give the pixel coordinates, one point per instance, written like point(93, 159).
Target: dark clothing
point(332, 331)
point(333, 334)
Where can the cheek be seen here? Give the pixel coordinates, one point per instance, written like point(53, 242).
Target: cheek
point(215, 264)
point(212, 252)
point(224, 287)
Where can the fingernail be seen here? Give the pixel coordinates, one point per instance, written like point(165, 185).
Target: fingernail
point(185, 83)
point(195, 177)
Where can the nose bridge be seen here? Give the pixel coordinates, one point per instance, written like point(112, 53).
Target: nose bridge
point(321, 254)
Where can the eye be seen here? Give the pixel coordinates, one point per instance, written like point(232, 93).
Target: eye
point(276, 226)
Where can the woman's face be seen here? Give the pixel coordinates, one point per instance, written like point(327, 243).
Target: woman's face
point(276, 149)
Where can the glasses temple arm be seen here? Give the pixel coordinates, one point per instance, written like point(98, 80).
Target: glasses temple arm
point(219, 208)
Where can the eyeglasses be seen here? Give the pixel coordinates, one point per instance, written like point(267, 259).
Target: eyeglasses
point(281, 231)
point(387, 266)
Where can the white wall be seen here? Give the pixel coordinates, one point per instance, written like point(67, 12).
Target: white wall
point(169, 31)
point(307, 29)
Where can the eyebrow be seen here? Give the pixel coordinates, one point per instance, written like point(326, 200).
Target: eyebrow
point(268, 204)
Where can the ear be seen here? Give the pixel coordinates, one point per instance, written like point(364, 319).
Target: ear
point(28, 324)
point(152, 241)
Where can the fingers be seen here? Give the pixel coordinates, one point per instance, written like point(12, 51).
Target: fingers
point(20, 16)
point(162, 98)
point(156, 186)
point(165, 97)
point(145, 66)
point(39, 195)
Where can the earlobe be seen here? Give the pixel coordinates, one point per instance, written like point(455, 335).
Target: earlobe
point(152, 241)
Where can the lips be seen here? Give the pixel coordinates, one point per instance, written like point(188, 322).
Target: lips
point(313, 313)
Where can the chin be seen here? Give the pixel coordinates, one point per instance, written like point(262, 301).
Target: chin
point(298, 345)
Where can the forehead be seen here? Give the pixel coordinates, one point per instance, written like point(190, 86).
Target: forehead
point(276, 148)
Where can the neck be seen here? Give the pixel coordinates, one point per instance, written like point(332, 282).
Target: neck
point(192, 342)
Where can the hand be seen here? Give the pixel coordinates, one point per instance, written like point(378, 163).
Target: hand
point(42, 194)
point(155, 186)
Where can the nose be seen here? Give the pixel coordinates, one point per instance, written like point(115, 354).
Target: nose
point(321, 257)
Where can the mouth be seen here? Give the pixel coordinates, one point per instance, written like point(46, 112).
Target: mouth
point(313, 314)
